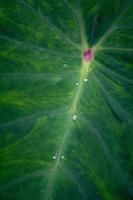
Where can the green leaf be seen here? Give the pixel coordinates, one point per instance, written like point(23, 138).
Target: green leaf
point(66, 123)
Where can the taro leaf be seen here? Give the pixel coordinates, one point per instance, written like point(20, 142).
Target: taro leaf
point(66, 123)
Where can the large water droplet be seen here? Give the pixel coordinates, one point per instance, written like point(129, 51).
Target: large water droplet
point(74, 117)
point(85, 79)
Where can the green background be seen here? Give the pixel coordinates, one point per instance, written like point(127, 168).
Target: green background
point(44, 153)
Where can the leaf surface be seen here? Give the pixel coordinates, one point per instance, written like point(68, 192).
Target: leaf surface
point(66, 123)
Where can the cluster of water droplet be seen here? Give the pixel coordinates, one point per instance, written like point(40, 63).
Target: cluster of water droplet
point(56, 156)
point(75, 116)
point(85, 79)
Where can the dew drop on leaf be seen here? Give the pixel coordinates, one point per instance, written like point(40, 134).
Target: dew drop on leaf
point(65, 65)
point(54, 157)
point(77, 83)
point(62, 157)
point(74, 117)
point(85, 79)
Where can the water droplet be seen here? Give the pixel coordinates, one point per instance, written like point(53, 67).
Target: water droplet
point(90, 69)
point(85, 79)
point(81, 113)
point(74, 117)
point(77, 83)
point(54, 157)
point(62, 157)
point(101, 74)
point(65, 65)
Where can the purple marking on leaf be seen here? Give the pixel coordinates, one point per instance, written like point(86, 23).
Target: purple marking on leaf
point(88, 55)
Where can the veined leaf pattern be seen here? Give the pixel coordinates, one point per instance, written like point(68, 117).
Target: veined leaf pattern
point(66, 120)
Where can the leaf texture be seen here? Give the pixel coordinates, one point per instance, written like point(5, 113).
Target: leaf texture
point(65, 123)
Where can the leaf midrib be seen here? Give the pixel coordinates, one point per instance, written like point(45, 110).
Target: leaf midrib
point(83, 73)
